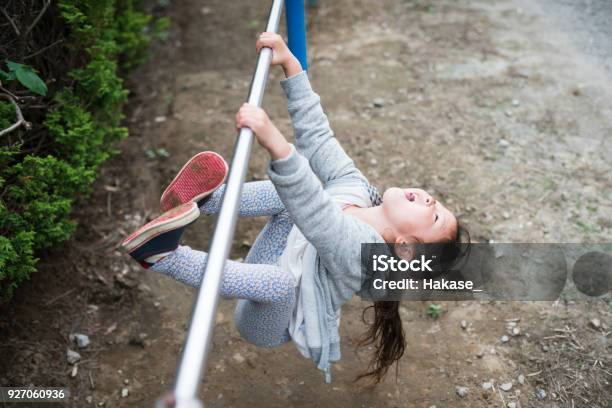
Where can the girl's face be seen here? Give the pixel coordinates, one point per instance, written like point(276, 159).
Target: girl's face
point(415, 213)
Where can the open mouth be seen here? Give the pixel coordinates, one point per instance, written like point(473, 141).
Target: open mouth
point(410, 196)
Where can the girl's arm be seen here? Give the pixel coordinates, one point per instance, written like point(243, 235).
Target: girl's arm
point(313, 135)
point(335, 235)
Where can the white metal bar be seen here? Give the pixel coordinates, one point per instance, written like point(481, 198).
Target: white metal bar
point(197, 344)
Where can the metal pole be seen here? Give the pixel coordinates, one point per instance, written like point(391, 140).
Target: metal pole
point(197, 344)
point(296, 30)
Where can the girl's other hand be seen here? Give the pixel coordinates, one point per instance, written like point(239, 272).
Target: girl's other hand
point(266, 133)
point(281, 55)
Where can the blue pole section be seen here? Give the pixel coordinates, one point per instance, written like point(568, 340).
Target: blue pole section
point(296, 30)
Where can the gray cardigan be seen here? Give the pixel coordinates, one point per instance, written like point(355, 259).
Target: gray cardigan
point(303, 181)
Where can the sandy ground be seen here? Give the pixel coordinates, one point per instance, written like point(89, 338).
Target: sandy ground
point(489, 105)
point(588, 23)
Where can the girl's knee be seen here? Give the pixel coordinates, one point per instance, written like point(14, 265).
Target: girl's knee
point(254, 326)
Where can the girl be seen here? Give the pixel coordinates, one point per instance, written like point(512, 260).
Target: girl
point(305, 263)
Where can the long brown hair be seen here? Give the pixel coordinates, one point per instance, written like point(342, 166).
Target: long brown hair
point(386, 334)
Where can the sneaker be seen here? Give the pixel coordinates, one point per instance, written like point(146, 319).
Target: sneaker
point(156, 239)
point(198, 178)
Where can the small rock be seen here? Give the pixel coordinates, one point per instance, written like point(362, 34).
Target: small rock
point(521, 379)
point(505, 386)
point(144, 287)
point(508, 113)
point(516, 102)
point(480, 354)
point(595, 323)
point(462, 391)
point(126, 381)
point(503, 143)
point(378, 103)
point(205, 10)
point(160, 119)
point(373, 162)
point(464, 324)
point(487, 385)
point(505, 339)
point(239, 358)
point(516, 331)
point(545, 348)
point(75, 370)
point(506, 215)
point(512, 404)
point(89, 399)
point(540, 393)
point(124, 392)
point(81, 340)
point(72, 356)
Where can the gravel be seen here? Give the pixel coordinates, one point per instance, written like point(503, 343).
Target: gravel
point(540, 393)
point(72, 356)
point(378, 103)
point(81, 340)
point(462, 391)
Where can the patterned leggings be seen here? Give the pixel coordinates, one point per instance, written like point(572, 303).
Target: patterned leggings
point(265, 293)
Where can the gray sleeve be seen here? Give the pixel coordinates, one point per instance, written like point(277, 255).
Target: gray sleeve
point(313, 136)
point(319, 217)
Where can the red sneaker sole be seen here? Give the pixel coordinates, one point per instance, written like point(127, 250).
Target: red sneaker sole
point(198, 178)
point(175, 218)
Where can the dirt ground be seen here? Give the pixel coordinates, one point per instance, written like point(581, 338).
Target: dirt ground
point(486, 104)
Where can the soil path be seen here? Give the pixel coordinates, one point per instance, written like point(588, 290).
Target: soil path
point(510, 128)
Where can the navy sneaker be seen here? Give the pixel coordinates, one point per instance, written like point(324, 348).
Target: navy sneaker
point(156, 239)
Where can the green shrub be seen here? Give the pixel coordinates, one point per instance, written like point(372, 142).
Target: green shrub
point(133, 45)
point(161, 28)
point(7, 115)
point(39, 187)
